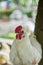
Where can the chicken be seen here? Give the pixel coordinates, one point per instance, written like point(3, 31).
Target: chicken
point(25, 50)
point(4, 53)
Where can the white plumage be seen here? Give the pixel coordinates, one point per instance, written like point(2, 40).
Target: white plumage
point(4, 54)
point(26, 51)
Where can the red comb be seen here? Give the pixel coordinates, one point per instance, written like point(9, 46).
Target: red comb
point(18, 29)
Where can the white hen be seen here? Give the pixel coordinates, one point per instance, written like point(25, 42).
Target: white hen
point(26, 51)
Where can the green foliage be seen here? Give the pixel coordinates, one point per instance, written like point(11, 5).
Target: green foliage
point(9, 36)
point(7, 12)
point(29, 14)
point(22, 3)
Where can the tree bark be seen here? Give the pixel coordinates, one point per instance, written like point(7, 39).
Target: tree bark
point(39, 26)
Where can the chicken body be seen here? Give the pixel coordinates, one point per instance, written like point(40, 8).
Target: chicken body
point(25, 51)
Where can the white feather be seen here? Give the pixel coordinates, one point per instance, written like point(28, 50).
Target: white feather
point(24, 51)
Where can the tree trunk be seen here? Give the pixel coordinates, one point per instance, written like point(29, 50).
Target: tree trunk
point(39, 26)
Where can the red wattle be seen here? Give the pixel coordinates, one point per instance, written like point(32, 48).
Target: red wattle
point(20, 35)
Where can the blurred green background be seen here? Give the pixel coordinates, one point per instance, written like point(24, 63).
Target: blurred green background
point(27, 6)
